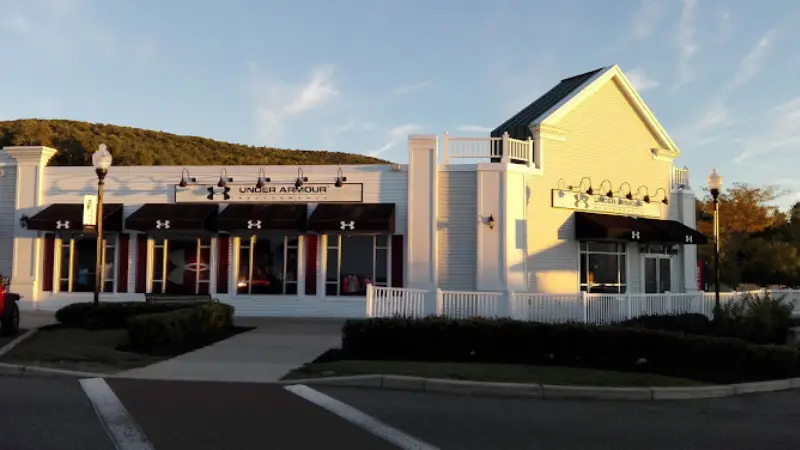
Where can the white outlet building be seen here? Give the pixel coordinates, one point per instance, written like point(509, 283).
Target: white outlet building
point(577, 192)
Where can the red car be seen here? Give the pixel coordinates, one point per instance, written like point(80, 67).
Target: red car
point(9, 312)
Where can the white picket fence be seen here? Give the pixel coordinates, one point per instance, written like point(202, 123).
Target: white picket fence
point(582, 307)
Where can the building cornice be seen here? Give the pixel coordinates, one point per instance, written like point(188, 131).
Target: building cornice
point(548, 132)
point(31, 155)
point(663, 154)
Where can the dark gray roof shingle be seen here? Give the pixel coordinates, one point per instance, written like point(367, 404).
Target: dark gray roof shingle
point(518, 126)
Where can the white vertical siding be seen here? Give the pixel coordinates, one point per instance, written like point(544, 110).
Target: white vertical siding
point(8, 193)
point(457, 234)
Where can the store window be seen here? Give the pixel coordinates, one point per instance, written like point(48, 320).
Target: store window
point(78, 263)
point(181, 265)
point(603, 268)
point(353, 262)
point(268, 265)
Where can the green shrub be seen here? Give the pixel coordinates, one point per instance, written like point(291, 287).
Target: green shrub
point(756, 319)
point(183, 327)
point(111, 314)
point(709, 358)
point(681, 323)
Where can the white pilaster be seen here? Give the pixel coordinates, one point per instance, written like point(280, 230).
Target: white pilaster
point(686, 207)
point(423, 198)
point(27, 268)
point(491, 203)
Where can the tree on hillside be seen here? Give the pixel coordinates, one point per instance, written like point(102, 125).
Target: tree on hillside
point(745, 211)
point(76, 141)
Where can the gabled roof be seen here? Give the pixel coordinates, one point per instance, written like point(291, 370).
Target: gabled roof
point(518, 126)
point(565, 96)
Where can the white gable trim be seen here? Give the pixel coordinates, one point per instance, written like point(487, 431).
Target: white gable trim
point(590, 87)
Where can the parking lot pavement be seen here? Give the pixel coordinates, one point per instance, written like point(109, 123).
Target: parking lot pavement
point(763, 421)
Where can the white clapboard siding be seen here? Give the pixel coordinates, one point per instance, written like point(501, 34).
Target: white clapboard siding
point(8, 183)
point(457, 234)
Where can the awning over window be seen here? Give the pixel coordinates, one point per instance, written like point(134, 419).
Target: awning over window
point(69, 217)
point(254, 217)
point(352, 218)
point(174, 217)
point(590, 226)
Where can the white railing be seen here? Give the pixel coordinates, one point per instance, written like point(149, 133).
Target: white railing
point(680, 177)
point(504, 148)
point(582, 307)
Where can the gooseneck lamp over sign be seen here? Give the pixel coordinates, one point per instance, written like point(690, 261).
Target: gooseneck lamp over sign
point(101, 160)
point(714, 186)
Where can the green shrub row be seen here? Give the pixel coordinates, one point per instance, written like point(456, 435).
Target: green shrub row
point(179, 328)
point(756, 319)
point(709, 358)
point(111, 314)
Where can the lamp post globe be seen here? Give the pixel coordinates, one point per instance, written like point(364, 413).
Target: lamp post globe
point(714, 181)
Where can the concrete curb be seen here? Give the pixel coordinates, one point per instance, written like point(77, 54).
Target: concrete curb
point(17, 340)
point(21, 370)
point(547, 392)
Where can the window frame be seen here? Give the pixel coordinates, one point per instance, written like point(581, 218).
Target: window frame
point(334, 242)
point(66, 242)
point(250, 242)
point(623, 277)
point(162, 242)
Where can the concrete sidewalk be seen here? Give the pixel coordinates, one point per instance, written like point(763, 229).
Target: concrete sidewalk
point(265, 354)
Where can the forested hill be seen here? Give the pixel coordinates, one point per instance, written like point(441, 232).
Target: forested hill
point(76, 141)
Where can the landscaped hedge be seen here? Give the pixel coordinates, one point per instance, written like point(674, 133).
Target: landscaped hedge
point(181, 328)
point(111, 314)
point(756, 319)
point(716, 359)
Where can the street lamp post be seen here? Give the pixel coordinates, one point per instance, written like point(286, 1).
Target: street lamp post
point(714, 186)
point(101, 160)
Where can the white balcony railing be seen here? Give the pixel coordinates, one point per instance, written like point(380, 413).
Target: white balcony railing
point(680, 177)
point(503, 148)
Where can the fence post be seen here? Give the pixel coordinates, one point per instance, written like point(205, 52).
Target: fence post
point(629, 302)
point(439, 302)
point(530, 154)
point(670, 309)
point(585, 306)
point(370, 300)
point(505, 149)
point(445, 149)
point(511, 300)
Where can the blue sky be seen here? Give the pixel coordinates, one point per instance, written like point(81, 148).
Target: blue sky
point(360, 75)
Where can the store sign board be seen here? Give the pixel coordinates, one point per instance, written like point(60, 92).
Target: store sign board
point(271, 193)
point(90, 210)
point(603, 204)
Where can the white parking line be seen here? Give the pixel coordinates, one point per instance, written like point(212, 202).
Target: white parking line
point(347, 412)
point(123, 430)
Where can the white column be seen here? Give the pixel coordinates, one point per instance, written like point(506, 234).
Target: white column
point(491, 270)
point(27, 268)
point(686, 208)
point(423, 197)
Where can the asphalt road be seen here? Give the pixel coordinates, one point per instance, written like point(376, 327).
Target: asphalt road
point(56, 413)
point(755, 422)
point(48, 414)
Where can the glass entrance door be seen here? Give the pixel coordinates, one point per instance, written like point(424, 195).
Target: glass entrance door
point(657, 274)
point(181, 265)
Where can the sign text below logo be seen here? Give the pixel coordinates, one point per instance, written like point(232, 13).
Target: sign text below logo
point(603, 204)
point(273, 193)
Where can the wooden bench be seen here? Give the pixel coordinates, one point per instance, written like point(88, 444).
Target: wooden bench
point(178, 298)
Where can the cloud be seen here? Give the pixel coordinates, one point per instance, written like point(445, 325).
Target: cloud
point(278, 101)
point(394, 137)
point(782, 132)
point(751, 64)
point(474, 129)
point(405, 90)
point(640, 81)
point(646, 18)
point(715, 116)
point(724, 23)
point(686, 42)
